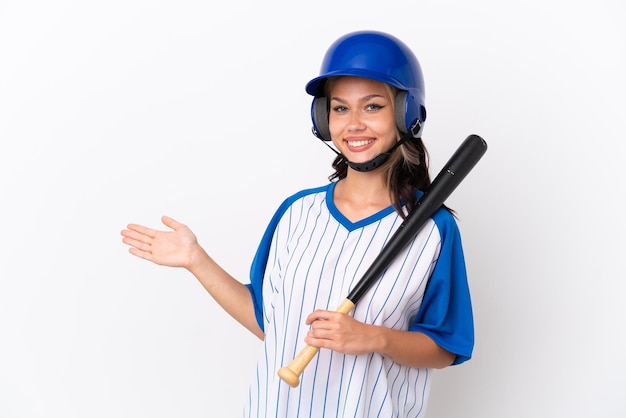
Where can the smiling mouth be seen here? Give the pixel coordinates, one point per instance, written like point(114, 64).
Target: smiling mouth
point(360, 143)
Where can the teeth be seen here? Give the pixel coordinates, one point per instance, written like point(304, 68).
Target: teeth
point(360, 143)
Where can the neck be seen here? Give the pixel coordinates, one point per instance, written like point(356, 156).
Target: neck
point(365, 188)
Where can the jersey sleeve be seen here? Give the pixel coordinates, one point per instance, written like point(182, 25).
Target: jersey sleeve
point(446, 311)
point(259, 263)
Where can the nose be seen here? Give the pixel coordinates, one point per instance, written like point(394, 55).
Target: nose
point(356, 121)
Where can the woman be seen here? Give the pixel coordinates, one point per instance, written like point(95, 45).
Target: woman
point(377, 361)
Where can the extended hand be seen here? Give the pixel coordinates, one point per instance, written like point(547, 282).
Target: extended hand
point(169, 248)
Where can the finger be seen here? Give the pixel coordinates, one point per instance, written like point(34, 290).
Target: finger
point(315, 342)
point(319, 340)
point(141, 229)
point(136, 236)
point(146, 255)
point(320, 315)
point(138, 244)
point(314, 316)
point(171, 223)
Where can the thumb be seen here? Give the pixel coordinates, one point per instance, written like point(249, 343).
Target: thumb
point(169, 222)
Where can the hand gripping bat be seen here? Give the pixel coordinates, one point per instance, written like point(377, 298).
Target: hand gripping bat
point(450, 176)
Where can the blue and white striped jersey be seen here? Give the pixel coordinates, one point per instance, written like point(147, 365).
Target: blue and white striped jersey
point(310, 257)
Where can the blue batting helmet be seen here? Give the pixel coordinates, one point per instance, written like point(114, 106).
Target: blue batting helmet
point(378, 56)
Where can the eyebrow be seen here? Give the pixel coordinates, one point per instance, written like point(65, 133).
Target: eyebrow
point(364, 99)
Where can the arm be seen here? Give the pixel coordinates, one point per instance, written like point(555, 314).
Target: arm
point(340, 332)
point(180, 248)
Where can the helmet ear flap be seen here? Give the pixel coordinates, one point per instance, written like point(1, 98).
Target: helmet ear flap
point(319, 116)
point(407, 117)
point(400, 109)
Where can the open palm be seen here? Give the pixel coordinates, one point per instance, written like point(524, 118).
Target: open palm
point(169, 248)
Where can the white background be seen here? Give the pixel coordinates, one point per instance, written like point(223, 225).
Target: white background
point(122, 111)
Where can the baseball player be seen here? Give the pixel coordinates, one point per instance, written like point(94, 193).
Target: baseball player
point(377, 361)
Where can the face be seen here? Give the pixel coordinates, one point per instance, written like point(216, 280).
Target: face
point(361, 118)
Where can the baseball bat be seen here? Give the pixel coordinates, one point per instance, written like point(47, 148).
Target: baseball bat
point(451, 175)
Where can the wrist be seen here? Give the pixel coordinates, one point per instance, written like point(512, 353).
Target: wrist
point(198, 258)
point(377, 339)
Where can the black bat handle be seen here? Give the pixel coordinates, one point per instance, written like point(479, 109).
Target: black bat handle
point(454, 171)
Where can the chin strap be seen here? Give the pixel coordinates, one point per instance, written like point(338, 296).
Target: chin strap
point(380, 158)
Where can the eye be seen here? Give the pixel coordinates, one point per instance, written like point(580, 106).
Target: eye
point(339, 108)
point(373, 106)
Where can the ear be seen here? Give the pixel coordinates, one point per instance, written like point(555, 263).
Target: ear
point(319, 116)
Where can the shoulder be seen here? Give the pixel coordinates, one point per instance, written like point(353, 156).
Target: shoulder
point(309, 192)
point(304, 194)
point(443, 218)
point(448, 230)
